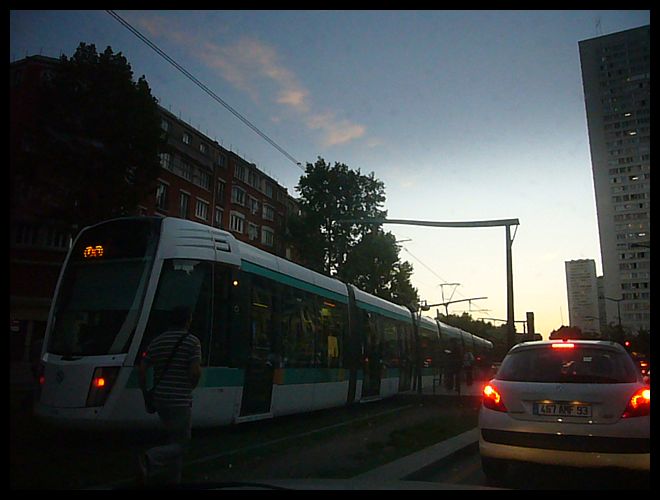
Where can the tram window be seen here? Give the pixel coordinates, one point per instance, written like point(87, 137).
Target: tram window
point(332, 316)
point(390, 352)
point(300, 323)
point(182, 283)
point(261, 315)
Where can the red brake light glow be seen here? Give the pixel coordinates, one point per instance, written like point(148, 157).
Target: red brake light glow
point(639, 404)
point(492, 398)
point(99, 382)
point(563, 345)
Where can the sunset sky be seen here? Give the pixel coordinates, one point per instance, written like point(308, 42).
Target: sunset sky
point(464, 115)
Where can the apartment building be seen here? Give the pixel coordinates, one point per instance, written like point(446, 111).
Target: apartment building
point(616, 81)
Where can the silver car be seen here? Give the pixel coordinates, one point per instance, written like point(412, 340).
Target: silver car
point(579, 403)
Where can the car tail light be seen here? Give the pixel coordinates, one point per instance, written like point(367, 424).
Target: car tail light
point(101, 385)
point(563, 345)
point(639, 404)
point(492, 399)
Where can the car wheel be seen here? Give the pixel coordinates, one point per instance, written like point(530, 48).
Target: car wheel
point(495, 470)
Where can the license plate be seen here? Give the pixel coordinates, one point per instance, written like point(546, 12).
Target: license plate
point(561, 409)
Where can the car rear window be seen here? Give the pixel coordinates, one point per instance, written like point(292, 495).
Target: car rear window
point(577, 365)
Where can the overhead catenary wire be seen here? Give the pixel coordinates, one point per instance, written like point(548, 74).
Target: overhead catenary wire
point(185, 72)
point(444, 281)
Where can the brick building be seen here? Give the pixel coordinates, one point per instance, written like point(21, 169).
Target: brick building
point(199, 180)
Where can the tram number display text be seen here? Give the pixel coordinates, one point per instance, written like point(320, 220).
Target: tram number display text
point(91, 252)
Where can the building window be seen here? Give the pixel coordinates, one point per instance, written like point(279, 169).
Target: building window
point(237, 195)
point(55, 238)
point(164, 124)
point(166, 161)
point(222, 160)
point(253, 232)
point(26, 235)
point(268, 212)
point(220, 194)
point(269, 189)
point(183, 205)
point(254, 179)
point(203, 148)
point(217, 220)
point(182, 169)
point(202, 209)
point(267, 236)
point(237, 222)
point(253, 204)
point(186, 138)
point(202, 178)
point(239, 172)
point(161, 196)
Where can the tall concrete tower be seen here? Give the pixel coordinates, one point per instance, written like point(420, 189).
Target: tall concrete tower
point(616, 80)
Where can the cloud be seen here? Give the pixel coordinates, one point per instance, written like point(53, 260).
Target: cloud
point(335, 131)
point(293, 97)
point(254, 67)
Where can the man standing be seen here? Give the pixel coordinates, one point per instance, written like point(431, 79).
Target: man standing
point(173, 394)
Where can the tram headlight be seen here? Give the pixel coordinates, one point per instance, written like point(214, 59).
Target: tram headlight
point(102, 381)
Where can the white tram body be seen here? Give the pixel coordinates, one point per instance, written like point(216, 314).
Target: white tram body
point(277, 338)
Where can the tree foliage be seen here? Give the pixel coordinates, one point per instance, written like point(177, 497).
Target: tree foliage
point(330, 238)
point(95, 145)
point(329, 196)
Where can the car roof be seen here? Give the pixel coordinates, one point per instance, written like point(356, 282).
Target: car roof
point(608, 344)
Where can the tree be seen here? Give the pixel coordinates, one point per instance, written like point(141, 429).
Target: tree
point(402, 291)
point(568, 332)
point(95, 142)
point(328, 196)
point(358, 253)
point(373, 266)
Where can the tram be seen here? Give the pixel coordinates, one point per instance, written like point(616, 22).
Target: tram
point(276, 338)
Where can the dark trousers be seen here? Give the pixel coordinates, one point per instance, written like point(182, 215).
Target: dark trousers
point(166, 461)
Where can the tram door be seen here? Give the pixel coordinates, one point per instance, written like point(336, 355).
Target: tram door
point(373, 361)
point(258, 384)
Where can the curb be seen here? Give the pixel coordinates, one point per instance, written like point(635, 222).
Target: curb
point(416, 465)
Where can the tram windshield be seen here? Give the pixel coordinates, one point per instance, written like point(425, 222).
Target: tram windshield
point(102, 288)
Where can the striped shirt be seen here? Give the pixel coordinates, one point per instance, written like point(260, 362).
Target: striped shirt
point(174, 388)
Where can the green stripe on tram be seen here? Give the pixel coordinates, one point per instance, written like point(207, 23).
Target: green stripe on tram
point(384, 312)
point(291, 281)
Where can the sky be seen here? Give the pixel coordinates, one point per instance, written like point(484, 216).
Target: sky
point(464, 115)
